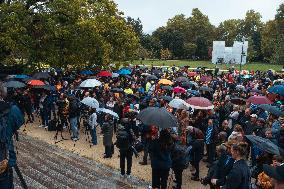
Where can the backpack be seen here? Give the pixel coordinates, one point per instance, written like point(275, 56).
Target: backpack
point(122, 140)
point(52, 125)
point(180, 156)
point(3, 137)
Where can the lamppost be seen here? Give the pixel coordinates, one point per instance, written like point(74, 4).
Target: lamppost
point(242, 55)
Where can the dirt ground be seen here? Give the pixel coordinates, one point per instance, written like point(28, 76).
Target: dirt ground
point(83, 148)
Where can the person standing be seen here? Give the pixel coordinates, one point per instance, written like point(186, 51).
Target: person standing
point(92, 121)
point(107, 130)
point(74, 112)
point(210, 141)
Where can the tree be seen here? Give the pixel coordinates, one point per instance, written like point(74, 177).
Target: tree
point(228, 31)
point(166, 54)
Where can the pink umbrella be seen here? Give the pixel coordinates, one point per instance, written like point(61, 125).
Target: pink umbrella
point(205, 78)
point(179, 90)
point(258, 100)
point(200, 103)
point(192, 74)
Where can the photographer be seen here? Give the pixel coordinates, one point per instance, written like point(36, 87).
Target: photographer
point(11, 119)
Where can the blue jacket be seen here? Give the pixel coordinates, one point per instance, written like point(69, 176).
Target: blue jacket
point(160, 159)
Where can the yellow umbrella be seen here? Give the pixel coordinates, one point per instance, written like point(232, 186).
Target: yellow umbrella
point(128, 91)
point(165, 82)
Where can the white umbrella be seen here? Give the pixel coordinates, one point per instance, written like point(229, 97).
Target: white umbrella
point(115, 75)
point(91, 102)
point(108, 112)
point(90, 83)
point(179, 104)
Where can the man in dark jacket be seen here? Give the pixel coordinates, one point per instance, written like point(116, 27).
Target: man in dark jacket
point(107, 130)
point(73, 117)
point(210, 141)
point(27, 105)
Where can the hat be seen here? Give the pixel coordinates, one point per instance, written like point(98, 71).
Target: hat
point(276, 173)
point(253, 115)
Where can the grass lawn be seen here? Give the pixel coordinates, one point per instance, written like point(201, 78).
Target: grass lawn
point(208, 64)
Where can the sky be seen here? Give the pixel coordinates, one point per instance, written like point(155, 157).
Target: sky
point(155, 13)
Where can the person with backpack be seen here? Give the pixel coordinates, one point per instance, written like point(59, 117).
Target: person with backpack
point(124, 140)
point(74, 113)
point(11, 119)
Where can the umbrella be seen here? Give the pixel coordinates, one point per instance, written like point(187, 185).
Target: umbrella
point(191, 74)
point(238, 101)
point(167, 98)
point(182, 79)
point(188, 84)
point(204, 88)
point(271, 109)
point(14, 84)
point(200, 103)
point(104, 74)
point(264, 144)
point(240, 88)
point(193, 92)
point(179, 104)
point(90, 83)
point(255, 91)
point(145, 74)
point(159, 117)
point(117, 90)
point(107, 111)
point(166, 87)
point(35, 82)
point(22, 77)
point(41, 75)
point(165, 82)
point(91, 102)
point(124, 71)
point(86, 72)
point(157, 72)
point(259, 100)
point(277, 89)
point(179, 90)
point(205, 78)
point(151, 77)
point(115, 74)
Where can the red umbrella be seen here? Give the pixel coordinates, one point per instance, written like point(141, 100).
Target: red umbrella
point(36, 83)
point(105, 74)
point(192, 74)
point(179, 90)
point(259, 100)
point(200, 103)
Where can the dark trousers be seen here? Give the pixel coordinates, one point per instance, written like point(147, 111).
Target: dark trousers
point(6, 180)
point(160, 178)
point(108, 151)
point(125, 155)
point(195, 164)
point(178, 176)
point(211, 148)
point(30, 116)
point(146, 152)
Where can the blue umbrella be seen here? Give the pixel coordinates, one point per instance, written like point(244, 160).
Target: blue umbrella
point(22, 77)
point(124, 72)
point(277, 89)
point(86, 72)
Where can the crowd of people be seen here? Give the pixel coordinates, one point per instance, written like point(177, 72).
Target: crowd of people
point(215, 113)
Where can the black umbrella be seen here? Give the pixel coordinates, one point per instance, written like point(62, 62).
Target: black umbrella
point(157, 72)
point(14, 84)
point(117, 90)
point(182, 79)
point(238, 101)
point(167, 98)
point(166, 87)
point(41, 75)
point(159, 117)
point(204, 88)
point(271, 109)
point(151, 77)
point(264, 144)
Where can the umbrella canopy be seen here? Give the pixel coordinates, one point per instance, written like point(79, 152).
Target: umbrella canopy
point(205, 78)
point(166, 87)
point(271, 109)
point(189, 84)
point(157, 72)
point(165, 82)
point(204, 88)
point(41, 75)
point(179, 104)
point(240, 88)
point(104, 74)
point(259, 100)
point(14, 84)
point(86, 72)
point(90, 83)
point(159, 117)
point(22, 77)
point(179, 90)
point(151, 77)
point(115, 74)
point(238, 101)
point(200, 103)
point(107, 111)
point(132, 96)
point(167, 98)
point(35, 82)
point(182, 79)
point(264, 144)
point(117, 90)
point(277, 89)
point(192, 74)
point(255, 91)
point(91, 102)
point(193, 92)
point(124, 71)
point(145, 74)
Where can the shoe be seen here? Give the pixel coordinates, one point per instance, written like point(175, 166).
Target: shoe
point(128, 176)
point(75, 139)
point(40, 126)
point(122, 176)
point(193, 174)
point(195, 178)
point(107, 157)
point(143, 163)
point(46, 127)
